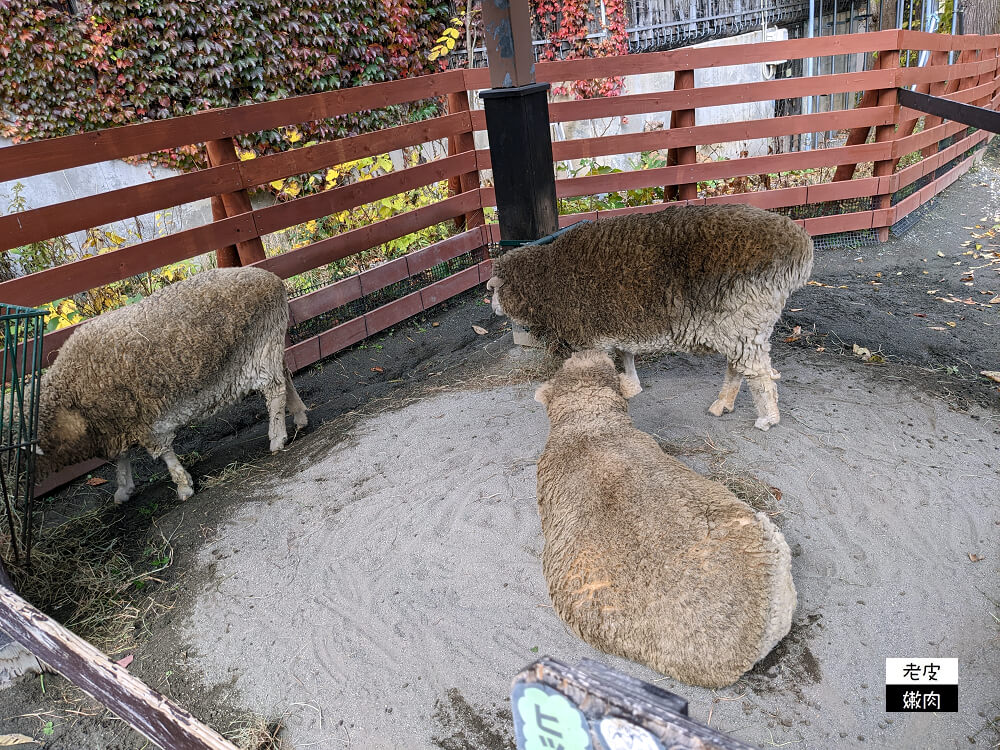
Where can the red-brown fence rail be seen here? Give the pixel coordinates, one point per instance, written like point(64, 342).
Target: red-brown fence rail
point(879, 134)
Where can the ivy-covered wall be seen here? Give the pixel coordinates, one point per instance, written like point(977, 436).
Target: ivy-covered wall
point(121, 61)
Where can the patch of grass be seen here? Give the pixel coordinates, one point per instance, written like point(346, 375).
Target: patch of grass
point(254, 732)
point(235, 470)
point(82, 578)
point(757, 494)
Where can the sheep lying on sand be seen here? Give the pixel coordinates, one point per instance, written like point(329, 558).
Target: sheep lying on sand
point(138, 374)
point(687, 278)
point(644, 557)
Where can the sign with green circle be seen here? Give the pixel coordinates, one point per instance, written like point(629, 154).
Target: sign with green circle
point(545, 719)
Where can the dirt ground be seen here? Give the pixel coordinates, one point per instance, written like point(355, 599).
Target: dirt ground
point(377, 584)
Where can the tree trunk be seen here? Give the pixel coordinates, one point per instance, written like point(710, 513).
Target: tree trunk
point(981, 16)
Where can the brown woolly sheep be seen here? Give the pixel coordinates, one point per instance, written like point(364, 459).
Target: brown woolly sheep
point(687, 278)
point(139, 373)
point(644, 557)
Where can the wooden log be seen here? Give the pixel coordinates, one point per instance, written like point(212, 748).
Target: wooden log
point(153, 715)
point(223, 151)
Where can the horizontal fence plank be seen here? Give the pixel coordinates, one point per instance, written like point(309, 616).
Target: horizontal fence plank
point(266, 169)
point(79, 276)
point(923, 40)
point(66, 475)
point(714, 96)
point(966, 114)
point(335, 248)
point(719, 170)
point(914, 172)
point(934, 73)
point(701, 135)
point(150, 713)
point(39, 157)
point(323, 300)
point(851, 222)
point(703, 57)
point(326, 343)
point(85, 213)
point(318, 205)
point(419, 261)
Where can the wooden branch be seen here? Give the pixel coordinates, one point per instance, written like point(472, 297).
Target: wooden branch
point(147, 711)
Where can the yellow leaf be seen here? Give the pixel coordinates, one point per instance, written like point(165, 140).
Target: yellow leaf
point(950, 324)
point(332, 175)
point(294, 136)
point(293, 189)
point(247, 155)
point(278, 184)
point(450, 44)
point(311, 226)
point(434, 55)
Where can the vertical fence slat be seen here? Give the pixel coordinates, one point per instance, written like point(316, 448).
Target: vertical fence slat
point(225, 257)
point(223, 151)
point(682, 118)
point(887, 60)
point(458, 144)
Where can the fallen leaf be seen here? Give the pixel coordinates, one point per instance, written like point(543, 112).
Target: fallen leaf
point(96, 481)
point(9, 740)
point(480, 330)
point(377, 369)
point(919, 315)
point(796, 335)
point(995, 301)
point(435, 325)
point(865, 354)
point(776, 492)
point(950, 324)
point(125, 661)
point(821, 348)
point(940, 254)
point(975, 557)
point(937, 328)
point(795, 309)
point(993, 375)
point(968, 277)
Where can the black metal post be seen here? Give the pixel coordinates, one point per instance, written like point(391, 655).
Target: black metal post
point(517, 120)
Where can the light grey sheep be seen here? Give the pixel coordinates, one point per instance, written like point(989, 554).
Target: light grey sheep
point(644, 557)
point(687, 278)
point(139, 373)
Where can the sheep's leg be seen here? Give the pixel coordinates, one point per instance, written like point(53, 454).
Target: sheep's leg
point(727, 394)
point(294, 403)
point(765, 397)
point(628, 362)
point(126, 485)
point(274, 394)
point(177, 472)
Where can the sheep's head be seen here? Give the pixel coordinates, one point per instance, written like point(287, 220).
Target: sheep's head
point(587, 383)
point(493, 285)
point(62, 439)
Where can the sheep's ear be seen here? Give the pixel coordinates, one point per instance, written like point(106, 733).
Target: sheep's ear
point(68, 425)
point(630, 386)
point(544, 393)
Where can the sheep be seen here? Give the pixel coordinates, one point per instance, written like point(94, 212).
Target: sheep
point(686, 278)
point(137, 374)
point(644, 557)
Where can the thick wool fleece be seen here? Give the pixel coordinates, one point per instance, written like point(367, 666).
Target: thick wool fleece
point(644, 557)
point(136, 374)
point(687, 278)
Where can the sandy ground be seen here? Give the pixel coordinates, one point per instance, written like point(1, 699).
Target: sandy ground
point(379, 583)
point(396, 569)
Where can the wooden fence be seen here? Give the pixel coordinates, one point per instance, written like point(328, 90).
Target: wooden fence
point(880, 133)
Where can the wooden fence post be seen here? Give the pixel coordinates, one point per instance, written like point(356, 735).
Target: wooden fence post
point(458, 101)
point(228, 256)
point(888, 60)
point(682, 118)
point(220, 152)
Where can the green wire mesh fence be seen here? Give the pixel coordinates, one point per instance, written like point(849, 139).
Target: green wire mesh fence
point(21, 330)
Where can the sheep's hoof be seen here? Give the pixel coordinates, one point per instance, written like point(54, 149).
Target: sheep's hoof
point(184, 492)
point(765, 423)
point(122, 495)
point(278, 444)
point(300, 419)
point(720, 407)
